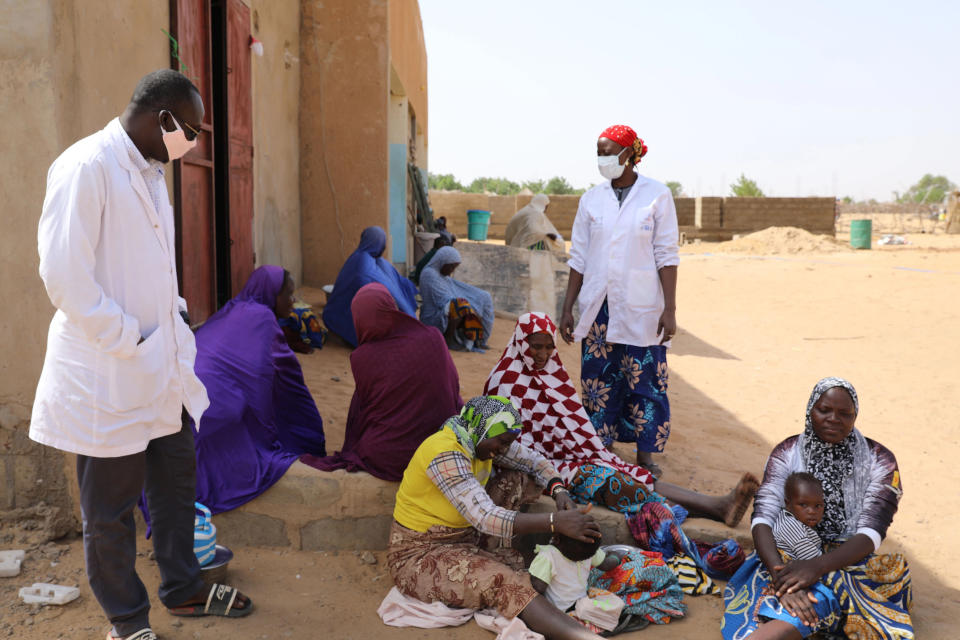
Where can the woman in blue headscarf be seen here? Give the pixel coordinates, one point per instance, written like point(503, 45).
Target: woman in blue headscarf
point(366, 266)
point(462, 312)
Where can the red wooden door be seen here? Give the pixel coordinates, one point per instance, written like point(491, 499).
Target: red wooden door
point(240, 134)
point(193, 175)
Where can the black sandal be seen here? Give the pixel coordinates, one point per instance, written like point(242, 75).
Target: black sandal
point(219, 603)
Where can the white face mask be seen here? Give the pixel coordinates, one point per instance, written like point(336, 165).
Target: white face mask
point(610, 167)
point(176, 141)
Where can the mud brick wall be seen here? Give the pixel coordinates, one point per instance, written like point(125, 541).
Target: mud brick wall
point(686, 211)
point(743, 215)
point(731, 215)
point(519, 280)
point(708, 213)
point(454, 205)
point(36, 498)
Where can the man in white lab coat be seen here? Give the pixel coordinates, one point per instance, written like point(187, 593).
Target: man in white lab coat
point(118, 387)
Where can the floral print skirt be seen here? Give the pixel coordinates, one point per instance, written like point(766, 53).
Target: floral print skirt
point(625, 389)
point(446, 565)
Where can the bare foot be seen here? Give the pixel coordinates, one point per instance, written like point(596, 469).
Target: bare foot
point(739, 499)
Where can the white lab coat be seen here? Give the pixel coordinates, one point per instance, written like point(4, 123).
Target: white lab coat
point(620, 251)
point(108, 261)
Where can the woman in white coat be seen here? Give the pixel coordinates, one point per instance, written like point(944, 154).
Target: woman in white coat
point(623, 270)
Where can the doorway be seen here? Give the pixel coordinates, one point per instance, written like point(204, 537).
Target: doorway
point(213, 184)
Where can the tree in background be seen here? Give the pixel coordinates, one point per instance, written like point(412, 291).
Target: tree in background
point(558, 186)
point(443, 182)
point(930, 189)
point(675, 188)
point(535, 186)
point(499, 186)
point(745, 188)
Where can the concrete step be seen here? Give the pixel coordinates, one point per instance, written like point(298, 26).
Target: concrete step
point(316, 510)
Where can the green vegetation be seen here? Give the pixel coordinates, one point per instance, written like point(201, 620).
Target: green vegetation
point(745, 188)
point(930, 189)
point(556, 185)
point(675, 188)
point(443, 182)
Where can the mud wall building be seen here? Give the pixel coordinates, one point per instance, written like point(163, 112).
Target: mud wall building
point(258, 189)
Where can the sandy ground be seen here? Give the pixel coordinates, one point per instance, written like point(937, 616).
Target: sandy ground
point(756, 332)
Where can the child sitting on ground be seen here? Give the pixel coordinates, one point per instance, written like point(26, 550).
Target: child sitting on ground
point(795, 528)
point(560, 570)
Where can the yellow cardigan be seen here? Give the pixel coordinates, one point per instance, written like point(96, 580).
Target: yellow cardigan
point(420, 504)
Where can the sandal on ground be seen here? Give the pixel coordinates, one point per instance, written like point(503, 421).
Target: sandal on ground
point(219, 603)
point(653, 468)
point(143, 634)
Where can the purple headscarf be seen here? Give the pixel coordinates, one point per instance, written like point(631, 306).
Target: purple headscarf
point(261, 416)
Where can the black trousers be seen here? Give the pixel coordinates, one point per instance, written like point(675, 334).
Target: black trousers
point(109, 490)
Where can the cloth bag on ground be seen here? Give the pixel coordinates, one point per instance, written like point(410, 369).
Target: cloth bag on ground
point(204, 535)
point(602, 610)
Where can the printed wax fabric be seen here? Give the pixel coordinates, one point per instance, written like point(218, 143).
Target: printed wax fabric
point(625, 388)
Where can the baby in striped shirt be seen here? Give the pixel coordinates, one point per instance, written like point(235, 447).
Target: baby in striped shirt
point(795, 528)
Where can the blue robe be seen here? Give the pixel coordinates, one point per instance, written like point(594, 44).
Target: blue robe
point(363, 267)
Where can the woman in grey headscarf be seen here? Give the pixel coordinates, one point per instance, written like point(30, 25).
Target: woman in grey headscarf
point(530, 228)
point(463, 313)
point(850, 588)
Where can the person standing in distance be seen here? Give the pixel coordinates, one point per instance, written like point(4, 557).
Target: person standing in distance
point(118, 387)
point(623, 270)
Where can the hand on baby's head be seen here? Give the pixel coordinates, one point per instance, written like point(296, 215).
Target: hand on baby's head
point(573, 549)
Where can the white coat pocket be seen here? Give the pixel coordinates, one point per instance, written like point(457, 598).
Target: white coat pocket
point(643, 290)
point(135, 382)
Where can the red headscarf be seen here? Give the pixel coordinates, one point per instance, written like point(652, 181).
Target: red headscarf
point(555, 424)
point(626, 137)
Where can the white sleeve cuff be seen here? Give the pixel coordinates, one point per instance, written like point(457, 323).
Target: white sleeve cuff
point(873, 535)
point(667, 261)
point(759, 520)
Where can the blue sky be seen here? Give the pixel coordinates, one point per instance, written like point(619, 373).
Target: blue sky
point(814, 98)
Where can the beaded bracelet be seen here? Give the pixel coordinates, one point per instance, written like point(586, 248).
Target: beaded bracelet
point(554, 484)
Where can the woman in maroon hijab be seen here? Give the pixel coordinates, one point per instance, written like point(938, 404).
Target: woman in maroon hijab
point(407, 386)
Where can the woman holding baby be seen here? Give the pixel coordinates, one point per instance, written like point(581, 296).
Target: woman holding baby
point(848, 588)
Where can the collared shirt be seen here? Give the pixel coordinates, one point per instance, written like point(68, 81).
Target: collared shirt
point(619, 249)
point(108, 261)
point(153, 177)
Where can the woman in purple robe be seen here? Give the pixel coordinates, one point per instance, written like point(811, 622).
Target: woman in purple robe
point(261, 416)
point(407, 385)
